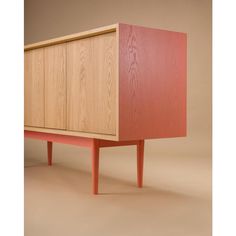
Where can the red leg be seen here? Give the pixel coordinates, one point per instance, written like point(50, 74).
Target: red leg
point(49, 153)
point(95, 165)
point(140, 157)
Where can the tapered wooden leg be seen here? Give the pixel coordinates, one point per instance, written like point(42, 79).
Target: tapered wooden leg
point(95, 166)
point(49, 145)
point(140, 158)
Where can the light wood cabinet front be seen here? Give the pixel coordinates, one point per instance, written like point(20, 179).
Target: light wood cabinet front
point(55, 86)
point(34, 88)
point(91, 84)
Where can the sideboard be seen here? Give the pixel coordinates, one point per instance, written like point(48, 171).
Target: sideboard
point(111, 86)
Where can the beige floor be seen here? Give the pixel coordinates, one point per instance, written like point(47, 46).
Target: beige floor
point(58, 202)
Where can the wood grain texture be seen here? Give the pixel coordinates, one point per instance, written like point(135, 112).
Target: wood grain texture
point(34, 88)
point(81, 87)
point(152, 83)
point(55, 86)
point(92, 77)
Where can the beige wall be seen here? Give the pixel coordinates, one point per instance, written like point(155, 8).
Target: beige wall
point(181, 164)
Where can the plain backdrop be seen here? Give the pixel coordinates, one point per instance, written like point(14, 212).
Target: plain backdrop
point(180, 165)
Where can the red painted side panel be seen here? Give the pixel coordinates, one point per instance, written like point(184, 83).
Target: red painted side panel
point(152, 83)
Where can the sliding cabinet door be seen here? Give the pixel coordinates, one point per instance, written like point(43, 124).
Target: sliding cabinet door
point(55, 86)
point(91, 81)
point(34, 88)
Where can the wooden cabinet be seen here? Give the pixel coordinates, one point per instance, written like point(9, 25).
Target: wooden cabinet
point(120, 82)
point(34, 88)
point(112, 86)
point(92, 80)
point(55, 86)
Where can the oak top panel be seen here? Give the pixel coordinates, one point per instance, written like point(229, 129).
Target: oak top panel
point(71, 37)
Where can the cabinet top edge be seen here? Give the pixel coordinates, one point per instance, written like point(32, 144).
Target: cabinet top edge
point(71, 37)
point(89, 33)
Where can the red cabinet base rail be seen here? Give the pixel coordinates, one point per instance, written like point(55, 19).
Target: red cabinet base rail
point(94, 145)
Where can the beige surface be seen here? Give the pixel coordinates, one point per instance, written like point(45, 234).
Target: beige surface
point(58, 200)
point(34, 88)
point(55, 86)
point(91, 77)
